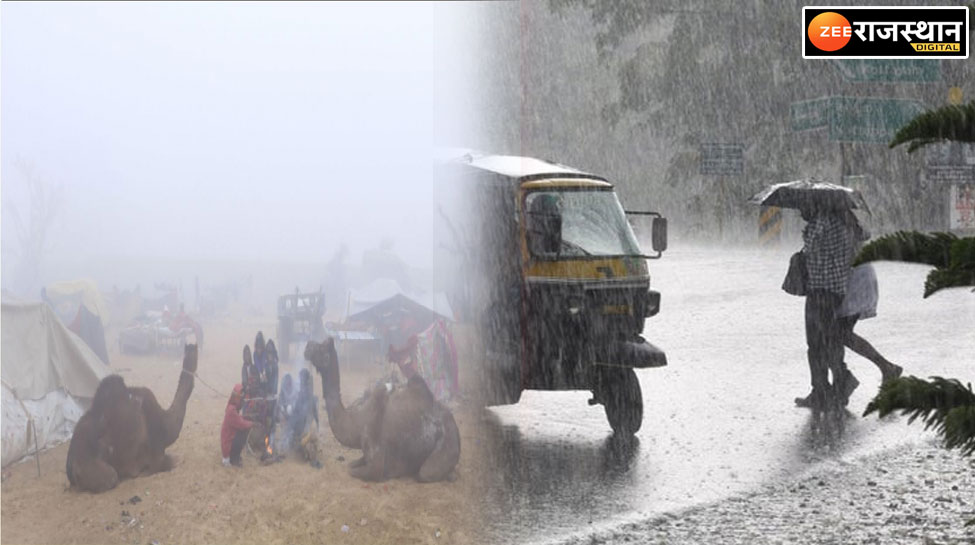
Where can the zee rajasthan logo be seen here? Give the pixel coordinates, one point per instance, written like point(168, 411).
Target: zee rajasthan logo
point(885, 32)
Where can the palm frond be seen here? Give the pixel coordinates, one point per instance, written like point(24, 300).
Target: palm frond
point(963, 253)
point(956, 123)
point(939, 279)
point(910, 246)
point(945, 405)
point(959, 429)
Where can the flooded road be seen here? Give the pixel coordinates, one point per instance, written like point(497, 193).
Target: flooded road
point(720, 419)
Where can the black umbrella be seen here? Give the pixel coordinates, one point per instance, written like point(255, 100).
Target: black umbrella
point(816, 193)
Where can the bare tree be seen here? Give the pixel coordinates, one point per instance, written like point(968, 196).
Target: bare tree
point(33, 232)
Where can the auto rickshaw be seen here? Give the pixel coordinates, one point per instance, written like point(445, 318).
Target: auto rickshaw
point(548, 268)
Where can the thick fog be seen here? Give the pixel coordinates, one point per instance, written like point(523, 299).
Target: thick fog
point(164, 133)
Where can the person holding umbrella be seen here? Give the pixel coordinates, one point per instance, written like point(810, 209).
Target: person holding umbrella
point(828, 247)
point(859, 302)
point(831, 239)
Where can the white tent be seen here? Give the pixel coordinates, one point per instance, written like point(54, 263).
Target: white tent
point(49, 376)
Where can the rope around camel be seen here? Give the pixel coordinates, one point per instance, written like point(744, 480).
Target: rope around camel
point(216, 391)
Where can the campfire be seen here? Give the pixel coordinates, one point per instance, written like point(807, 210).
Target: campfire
point(267, 456)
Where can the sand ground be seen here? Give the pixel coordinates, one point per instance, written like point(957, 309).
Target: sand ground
point(200, 501)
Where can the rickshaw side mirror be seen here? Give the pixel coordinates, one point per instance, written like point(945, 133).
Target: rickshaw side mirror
point(658, 237)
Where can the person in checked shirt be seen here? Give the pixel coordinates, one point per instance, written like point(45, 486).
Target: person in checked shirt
point(829, 248)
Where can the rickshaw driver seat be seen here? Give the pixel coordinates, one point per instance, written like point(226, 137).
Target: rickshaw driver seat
point(544, 224)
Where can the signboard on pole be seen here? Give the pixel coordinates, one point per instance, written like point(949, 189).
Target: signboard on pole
point(950, 175)
point(856, 119)
point(809, 114)
point(722, 159)
point(961, 207)
point(949, 163)
point(902, 70)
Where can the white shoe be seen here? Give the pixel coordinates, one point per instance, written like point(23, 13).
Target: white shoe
point(226, 462)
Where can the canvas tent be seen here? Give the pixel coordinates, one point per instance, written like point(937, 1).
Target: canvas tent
point(381, 290)
point(413, 331)
point(397, 317)
point(49, 376)
point(80, 306)
point(77, 292)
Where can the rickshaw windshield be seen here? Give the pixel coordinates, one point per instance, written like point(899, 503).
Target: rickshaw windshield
point(592, 223)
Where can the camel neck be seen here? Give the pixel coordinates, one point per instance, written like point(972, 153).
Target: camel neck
point(183, 390)
point(341, 421)
point(332, 390)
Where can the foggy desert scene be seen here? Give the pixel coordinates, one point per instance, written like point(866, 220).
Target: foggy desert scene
point(547, 272)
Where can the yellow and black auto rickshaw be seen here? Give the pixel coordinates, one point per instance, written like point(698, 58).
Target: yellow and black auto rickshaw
point(548, 268)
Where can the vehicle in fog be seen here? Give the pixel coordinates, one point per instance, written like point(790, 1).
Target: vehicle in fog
point(551, 273)
point(299, 320)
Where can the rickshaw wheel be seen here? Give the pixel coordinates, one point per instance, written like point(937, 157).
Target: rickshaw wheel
point(622, 399)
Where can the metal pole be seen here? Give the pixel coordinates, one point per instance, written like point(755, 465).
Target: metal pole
point(37, 449)
point(842, 162)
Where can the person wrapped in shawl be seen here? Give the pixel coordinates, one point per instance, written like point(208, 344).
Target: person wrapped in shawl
point(305, 436)
point(254, 406)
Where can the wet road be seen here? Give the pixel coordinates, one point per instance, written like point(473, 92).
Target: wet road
point(719, 420)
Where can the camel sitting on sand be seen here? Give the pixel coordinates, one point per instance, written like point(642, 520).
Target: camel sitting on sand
point(125, 432)
point(401, 431)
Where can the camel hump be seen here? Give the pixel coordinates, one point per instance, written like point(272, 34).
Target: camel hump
point(419, 387)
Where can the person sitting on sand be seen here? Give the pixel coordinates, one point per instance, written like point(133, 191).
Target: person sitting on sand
point(283, 435)
point(271, 382)
point(305, 437)
point(255, 405)
point(233, 431)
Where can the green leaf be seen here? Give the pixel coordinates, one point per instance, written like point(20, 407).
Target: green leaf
point(955, 123)
point(944, 405)
point(910, 246)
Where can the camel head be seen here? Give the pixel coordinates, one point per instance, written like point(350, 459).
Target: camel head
point(110, 390)
point(322, 355)
point(189, 358)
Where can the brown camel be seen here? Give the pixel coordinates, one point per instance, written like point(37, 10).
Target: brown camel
point(125, 432)
point(401, 431)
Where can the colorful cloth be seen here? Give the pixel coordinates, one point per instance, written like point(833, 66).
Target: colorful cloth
point(436, 360)
point(433, 356)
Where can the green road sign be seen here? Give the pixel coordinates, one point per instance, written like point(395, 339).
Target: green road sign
point(809, 114)
point(904, 70)
point(855, 119)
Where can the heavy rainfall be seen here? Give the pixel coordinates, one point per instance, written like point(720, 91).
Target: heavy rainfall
point(562, 271)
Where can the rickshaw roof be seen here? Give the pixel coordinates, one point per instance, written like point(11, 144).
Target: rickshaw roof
point(523, 168)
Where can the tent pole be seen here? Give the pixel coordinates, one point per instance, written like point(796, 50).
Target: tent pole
point(37, 450)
